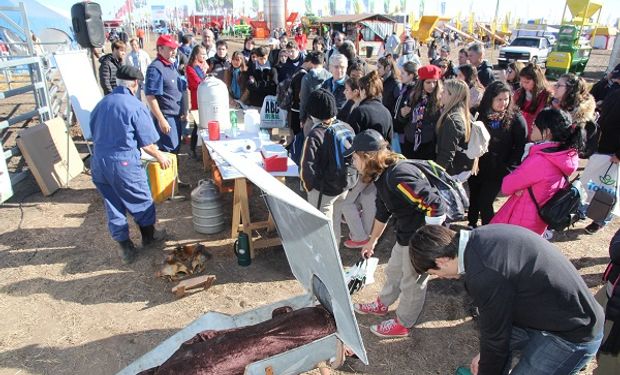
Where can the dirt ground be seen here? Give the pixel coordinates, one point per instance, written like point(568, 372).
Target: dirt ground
point(70, 307)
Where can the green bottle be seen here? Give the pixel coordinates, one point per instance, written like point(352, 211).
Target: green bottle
point(234, 129)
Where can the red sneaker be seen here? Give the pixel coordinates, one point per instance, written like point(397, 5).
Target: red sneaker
point(390, 328)
point(355, 244)
point(372, 308)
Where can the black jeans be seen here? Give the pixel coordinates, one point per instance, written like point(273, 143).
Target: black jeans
point(482, 193)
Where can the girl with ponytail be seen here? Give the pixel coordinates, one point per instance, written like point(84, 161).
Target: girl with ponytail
point(553, 157)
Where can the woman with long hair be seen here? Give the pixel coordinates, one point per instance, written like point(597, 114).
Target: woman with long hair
point(469, 74)
point(533, 95)
point(371, 113)
point(506, 126)
point(420, 131)
point(545, 170)
point(512, 74)
point(402, 109)
point(571, 95)
point(390, 75)
point(404, 193)
point(236, 78)
point(454, 128)
point(196, 72)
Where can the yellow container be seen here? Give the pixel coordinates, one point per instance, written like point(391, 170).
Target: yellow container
point(162, 181)
point(559, 60)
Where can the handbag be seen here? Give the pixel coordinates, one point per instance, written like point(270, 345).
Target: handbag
point(602, 202)
point(562, 210)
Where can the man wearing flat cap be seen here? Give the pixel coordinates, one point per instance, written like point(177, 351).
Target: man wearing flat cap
point(164, 90)
point(121, 125)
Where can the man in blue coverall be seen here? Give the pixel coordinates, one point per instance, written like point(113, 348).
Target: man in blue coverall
point(121, 125)
point(164, 91)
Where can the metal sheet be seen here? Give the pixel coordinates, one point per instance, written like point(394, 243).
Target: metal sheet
point(309, 243)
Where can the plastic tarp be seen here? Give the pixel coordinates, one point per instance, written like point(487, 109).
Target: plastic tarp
point(40, 17)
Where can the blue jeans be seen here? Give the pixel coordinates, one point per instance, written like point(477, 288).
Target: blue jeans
point(543, 353)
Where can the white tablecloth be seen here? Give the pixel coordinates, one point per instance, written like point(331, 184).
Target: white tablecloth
point(246, 145)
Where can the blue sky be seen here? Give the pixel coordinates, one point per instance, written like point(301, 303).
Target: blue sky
point(524, 9)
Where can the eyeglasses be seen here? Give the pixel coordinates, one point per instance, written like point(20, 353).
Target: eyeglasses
point(509, 71)
point(558, 85)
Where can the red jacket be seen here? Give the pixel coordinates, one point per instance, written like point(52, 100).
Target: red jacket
point(302, 41)
point(193, 81)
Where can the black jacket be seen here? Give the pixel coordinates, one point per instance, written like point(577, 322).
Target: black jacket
point(264, 84)
point(317, 161)
point(403, 191)
point(485, 73)
point(505, 148)
point(517, 278)
point(107, 72)
point(391, 92)
point(371, 114)
point(218, 66)
point(450, 143)
point(609, 123)
point(338, 93)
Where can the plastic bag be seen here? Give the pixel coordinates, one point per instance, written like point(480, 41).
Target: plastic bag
point(361, 274)
point(271, 115)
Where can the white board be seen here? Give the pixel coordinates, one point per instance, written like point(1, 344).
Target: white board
point(6, 190)
point(84, 91)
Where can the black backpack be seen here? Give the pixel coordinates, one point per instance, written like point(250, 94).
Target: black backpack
point(562, 210)
point(448, 188)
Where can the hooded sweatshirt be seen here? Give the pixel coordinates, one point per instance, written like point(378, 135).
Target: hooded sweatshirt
point(543, 170)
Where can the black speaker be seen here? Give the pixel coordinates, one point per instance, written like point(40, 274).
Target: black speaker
point(88, 25)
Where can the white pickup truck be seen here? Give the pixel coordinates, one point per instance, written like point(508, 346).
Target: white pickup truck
point(525, 49)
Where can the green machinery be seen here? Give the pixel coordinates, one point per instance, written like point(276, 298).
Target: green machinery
point(572, 52)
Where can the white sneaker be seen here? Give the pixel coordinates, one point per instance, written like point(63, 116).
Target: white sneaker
point(548, 235)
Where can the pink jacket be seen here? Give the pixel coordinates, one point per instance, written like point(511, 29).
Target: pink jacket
point(544, 172)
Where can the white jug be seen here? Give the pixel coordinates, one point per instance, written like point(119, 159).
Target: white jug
point(251, 121)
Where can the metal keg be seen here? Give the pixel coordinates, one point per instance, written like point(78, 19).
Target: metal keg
point(207, 213)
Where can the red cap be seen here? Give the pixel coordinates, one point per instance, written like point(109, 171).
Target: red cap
point(429, 72)
point(168, 41)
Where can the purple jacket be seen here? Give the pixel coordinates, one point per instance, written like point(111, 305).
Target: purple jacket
point(544, 172)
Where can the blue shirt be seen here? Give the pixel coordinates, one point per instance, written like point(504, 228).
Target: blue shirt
point(120, 125)
point(162, 81)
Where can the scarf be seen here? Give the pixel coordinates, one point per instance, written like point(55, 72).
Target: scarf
point(417, 115)
point(199, 71)
point(495, 119)
point(234, 85)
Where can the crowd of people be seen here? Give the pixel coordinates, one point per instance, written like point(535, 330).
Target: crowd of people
point(358, 134)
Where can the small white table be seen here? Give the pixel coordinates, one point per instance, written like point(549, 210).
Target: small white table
point(247, 146)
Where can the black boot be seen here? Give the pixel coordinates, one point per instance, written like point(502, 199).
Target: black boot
point(127, 251)
point(150, 235)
